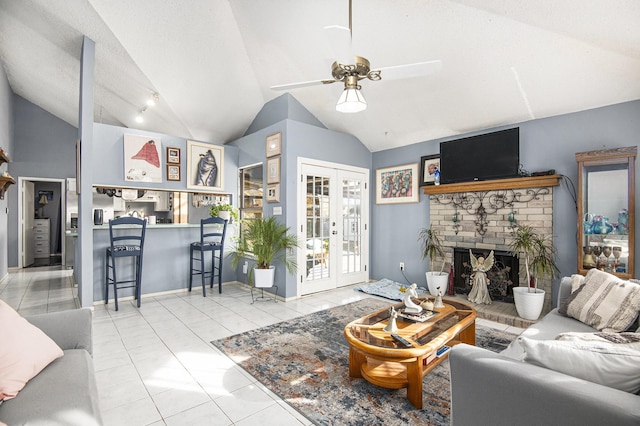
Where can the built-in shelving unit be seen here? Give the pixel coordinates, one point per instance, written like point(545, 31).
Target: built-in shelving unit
point(494, 185)
point(5, 181)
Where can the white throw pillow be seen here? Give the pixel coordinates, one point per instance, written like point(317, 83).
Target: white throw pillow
point(24, 351)
point(609, 364)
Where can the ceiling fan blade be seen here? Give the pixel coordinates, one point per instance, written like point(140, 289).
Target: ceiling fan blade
point(340, 42)
point(410, 70)
point(302, 84)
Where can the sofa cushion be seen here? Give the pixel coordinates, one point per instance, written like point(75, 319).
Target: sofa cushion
point(610, 364)
point(24, 352)
point(604, 302)
point(65, 393)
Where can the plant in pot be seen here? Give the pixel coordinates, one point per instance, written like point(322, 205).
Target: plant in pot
point(432, 248)
point(265, 240)
point(224, 211)
point(540, 261)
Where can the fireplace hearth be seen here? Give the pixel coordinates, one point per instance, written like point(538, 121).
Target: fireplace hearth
point(503, 276)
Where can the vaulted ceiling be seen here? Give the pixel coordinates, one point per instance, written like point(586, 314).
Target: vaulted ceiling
point(213, 61)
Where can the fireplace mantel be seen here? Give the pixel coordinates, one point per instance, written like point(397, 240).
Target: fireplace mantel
point(493, 185)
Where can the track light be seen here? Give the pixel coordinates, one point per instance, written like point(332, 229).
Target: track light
point(139, 117)
point(153, 100)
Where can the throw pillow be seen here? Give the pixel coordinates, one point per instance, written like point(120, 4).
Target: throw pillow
point(24, 352)
point(604, 301)
point(576, 281)
point(605, 363)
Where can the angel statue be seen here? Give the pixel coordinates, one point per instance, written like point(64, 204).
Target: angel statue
point(480, 283)
point(411, 307)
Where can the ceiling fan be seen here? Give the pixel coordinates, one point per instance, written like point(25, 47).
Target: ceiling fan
point(350, 69)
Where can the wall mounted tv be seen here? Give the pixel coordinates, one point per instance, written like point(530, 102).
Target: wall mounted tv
point(484, 157)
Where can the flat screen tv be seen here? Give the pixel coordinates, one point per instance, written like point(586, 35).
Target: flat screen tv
point(483, 157)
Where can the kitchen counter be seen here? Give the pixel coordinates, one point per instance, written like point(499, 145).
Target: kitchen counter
point(155, 226)
point(165, 265)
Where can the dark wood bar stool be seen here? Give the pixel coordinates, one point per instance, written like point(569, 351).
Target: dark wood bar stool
point(211, 239)
point(126, 235)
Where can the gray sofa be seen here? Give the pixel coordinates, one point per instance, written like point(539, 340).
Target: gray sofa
point(65, 392)
point(497, 389)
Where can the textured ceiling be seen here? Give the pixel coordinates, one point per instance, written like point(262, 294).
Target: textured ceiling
point(213, 61)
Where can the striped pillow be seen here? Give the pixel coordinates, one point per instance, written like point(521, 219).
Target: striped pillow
point(605, 302)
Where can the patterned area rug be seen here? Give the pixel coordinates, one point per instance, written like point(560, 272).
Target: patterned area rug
point(305, 361)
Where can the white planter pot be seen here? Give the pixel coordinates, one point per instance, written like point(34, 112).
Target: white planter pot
point(437, 279)
point(226, 215)
point(264, 278)
point(529, 302)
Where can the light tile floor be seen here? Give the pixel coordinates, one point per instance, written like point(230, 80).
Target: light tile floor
point(155, 365)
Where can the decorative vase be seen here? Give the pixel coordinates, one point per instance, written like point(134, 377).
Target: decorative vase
point(623, 221)
point(588, 260)
point(264, 278)
point(437, 280)
point(529, 302)
point(224, 214)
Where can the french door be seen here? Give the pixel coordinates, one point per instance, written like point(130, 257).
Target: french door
point(333, 220)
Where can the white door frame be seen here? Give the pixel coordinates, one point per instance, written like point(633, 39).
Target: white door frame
point(63, 205)
point(301, 213)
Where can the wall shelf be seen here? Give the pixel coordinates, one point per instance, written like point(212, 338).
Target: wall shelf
point(494, 185)
point(5, 181)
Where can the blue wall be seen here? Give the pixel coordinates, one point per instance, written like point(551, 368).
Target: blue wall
point(6, 142)
point(548, 143)
point(45, 147)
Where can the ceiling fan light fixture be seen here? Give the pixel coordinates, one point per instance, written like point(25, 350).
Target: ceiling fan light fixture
point(351, 100)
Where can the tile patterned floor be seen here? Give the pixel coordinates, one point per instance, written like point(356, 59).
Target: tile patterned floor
point(155, 365)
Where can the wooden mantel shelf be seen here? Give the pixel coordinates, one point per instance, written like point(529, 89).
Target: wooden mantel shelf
point(494, 185)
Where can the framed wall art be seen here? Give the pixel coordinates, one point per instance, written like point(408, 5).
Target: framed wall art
point(274, 144)
point(273, 170)
point(173, 172)
point(173, 155)
point(205, 166)
point(142, 158)
point(273, 193)
point(398, 184)
point(428, 166)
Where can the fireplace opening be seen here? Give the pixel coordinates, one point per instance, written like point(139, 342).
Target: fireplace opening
point(503, 276)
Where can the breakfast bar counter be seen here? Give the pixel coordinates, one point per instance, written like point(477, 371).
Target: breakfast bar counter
point(165, 265)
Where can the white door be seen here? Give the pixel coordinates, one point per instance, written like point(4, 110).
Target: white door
point(28, 214)
point(333, 219)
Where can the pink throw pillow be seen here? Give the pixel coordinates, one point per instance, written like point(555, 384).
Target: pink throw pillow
point(24, 351)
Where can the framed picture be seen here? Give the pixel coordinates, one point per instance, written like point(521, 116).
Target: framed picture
point(273, 170)
point(274, 144)
point(173, 172)
point(173, 155)
point(428, 166)
point(395, 185)
point(205, 166)
point(273, 193)
point(142, 158)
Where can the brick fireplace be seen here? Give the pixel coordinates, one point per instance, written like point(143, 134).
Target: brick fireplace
point(481, 215)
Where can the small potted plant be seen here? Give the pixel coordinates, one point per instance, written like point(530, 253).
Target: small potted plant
point(432, 248)
point(266, 240)
point(539, 261)
point(224, 211)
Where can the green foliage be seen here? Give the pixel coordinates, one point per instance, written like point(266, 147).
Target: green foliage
point(431, 245)
point(538, 252)
point(265, 240)
point(215, 209)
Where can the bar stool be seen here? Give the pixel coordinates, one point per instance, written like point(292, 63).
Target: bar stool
point(210, 240)
point(126, 236)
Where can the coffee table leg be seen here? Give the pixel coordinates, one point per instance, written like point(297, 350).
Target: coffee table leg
point(356, 359)
point(414, 387)
point(468, 335)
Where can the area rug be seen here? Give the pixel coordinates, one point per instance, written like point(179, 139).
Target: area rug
point(386, 288)
point(305, 361)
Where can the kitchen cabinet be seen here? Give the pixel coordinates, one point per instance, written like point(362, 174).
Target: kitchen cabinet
point(163, 203)
point(606, 211)
point(119, 205)
point(41, 232)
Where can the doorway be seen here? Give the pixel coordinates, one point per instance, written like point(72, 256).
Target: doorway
point(333, 215)
point(41, 221)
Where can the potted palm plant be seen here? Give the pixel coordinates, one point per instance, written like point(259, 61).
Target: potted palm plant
point(224, 211)
point(432, 248)
point(266, 240)
point(540, 261)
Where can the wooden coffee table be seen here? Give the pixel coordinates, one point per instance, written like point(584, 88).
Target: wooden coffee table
point(375, 356)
